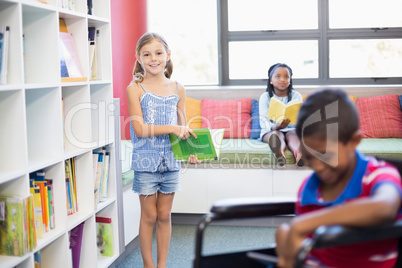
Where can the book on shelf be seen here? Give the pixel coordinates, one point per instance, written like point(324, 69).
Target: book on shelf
point(91, 50)
point(71, 186)
point(101, 175)
point(32, 237)
point(206, 146)
point(76, 244)
point(96, 64)
point(70, 66)
point(89, 7)
point(104, 236)
point(38, 218)
point(4, 49)
point(37, 180)
point(51, 203)
point(17, 233)
point(278, 111)
point(105, 178)
point(37, 259)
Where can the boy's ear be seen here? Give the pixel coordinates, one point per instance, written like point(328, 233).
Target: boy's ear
point(356, 138)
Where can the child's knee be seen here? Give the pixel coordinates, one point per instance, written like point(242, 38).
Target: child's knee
point(282, 232)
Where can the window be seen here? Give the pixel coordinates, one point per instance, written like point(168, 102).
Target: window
point(324, 41)
point(190, 29)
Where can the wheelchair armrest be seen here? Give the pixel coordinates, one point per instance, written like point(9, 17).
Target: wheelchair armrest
point(328, 236)
point(253, 207)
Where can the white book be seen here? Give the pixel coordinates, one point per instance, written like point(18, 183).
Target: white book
point(105, 177)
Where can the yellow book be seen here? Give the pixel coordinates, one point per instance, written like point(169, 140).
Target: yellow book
point(37, 212)
point(278, 111)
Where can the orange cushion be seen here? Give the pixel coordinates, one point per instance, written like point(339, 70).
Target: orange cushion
point(380, 117)
point(353, 98)
point(193, 113)
point(232, 115)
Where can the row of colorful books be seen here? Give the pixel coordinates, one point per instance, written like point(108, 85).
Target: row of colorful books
point(17, 228)
point(42, 191)
point(101, 163)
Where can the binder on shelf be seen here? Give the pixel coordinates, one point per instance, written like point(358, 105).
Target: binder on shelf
point(4, 48)
point(70, 66)
point(104, 236)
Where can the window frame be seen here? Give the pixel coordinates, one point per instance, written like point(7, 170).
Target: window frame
point(323, 35)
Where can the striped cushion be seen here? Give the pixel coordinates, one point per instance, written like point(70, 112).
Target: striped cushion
point(232, 115)
point(380, 117)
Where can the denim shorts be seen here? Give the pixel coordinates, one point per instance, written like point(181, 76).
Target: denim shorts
point(162, 180)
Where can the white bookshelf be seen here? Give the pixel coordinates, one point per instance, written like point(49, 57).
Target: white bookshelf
point(38, 131)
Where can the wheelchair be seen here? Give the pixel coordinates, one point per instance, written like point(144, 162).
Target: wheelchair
point(323, 237)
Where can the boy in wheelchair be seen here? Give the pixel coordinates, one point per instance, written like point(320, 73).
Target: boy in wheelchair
point(346, 188)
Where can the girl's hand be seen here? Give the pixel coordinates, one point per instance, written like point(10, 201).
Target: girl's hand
point(285, 122)
point(184, 132)
point(192, 159)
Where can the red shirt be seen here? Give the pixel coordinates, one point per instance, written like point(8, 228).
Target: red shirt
point(368, 175)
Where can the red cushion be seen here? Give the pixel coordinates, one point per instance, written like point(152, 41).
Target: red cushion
point(232, 115)
point(380, 117)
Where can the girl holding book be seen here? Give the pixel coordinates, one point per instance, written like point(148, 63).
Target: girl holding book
point(279, 134)
point(156, 106)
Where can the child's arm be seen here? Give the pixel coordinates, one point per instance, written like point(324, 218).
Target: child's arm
point(181, 111)
point(134, 93)
point(181, 119)
point(381, 207)
point(263, 106)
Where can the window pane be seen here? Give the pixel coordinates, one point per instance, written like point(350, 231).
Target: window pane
point(365, 13)
point(259, 15)
point(251, 60)
point(190, 28)
point(365, 58)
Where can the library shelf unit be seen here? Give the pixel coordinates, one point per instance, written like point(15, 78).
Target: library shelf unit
point(44, 122)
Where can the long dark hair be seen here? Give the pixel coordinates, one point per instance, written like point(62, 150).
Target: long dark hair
point(270, 87)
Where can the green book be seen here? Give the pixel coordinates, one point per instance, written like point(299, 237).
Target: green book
point(206, 146)
point(12, 226)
